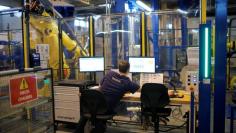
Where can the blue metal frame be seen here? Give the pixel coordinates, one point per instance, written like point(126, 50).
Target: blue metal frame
point(114, 54)
point(184, 32)
point(192, 113)
point(155, 31)
point(220, 66)
point(126, 38)
point(204, 87)
point(232, 109)
point(119, 7)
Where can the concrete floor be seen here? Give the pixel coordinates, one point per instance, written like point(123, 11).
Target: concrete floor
point(123, 128)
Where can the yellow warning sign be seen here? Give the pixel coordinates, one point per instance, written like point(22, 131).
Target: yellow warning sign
point(24, 85)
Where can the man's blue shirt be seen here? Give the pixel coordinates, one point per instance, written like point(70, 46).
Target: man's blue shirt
point(114, 86)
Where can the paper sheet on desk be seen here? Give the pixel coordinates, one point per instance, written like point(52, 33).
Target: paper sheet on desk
point(151, 78)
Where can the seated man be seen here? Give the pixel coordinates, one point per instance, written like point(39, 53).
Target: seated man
point(114, 85)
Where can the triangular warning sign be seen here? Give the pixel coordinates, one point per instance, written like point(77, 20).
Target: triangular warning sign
point(24, 85)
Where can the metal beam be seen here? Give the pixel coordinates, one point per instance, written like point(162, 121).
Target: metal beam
point(26, 35)
point(220, 65)
point(91, 36)
point(143, 35)
point(155, 31)
point(205, 81)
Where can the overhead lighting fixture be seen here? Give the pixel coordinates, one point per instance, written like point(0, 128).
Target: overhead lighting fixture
point(144, 6)
point(101, 33)
point(105, 5)
point(182, 11)
point(114, 31)
point(4, 8)
point(122, 31)
point(127, 7)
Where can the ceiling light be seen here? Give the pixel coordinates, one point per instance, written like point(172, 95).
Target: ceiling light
point(144, 6)
point(4, 7)
point(182, 11)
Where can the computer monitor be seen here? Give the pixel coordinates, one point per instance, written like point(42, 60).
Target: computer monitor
point(91, 64)
point(142, 65)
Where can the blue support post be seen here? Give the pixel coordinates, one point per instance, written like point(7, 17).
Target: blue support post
point(184, 32)
point(205, 78)
point(184, 27)
point(114, 53)
point(119, 7)
point(192, 114)
point(126, 37)
point(220, 65)
point(155, 31)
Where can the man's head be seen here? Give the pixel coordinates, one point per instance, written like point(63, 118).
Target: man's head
point(124, 66)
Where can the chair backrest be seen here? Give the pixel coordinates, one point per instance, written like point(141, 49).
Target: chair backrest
point(154, 96)
point(93, 102)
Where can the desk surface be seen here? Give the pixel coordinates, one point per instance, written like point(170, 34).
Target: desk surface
point(136, 98)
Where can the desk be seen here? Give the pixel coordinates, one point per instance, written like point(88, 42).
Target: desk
point(136, 98)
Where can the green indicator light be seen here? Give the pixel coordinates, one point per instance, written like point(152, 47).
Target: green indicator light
point(206, 53)
point(47, 81)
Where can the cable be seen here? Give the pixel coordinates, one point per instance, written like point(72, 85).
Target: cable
point(178, 127)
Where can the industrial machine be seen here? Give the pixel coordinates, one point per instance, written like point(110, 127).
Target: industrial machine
point(44, 30)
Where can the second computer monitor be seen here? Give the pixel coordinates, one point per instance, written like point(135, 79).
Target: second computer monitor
point(91, 64)
point(142, 65)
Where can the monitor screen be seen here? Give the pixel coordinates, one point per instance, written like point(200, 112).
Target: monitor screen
point(142, 65)
point(93, 64)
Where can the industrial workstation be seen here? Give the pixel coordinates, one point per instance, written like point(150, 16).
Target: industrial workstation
point(117, 66)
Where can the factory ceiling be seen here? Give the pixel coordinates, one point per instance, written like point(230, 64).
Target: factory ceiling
point(90, 6)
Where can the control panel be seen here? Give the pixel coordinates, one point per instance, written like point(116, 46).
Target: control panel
point(192, 81)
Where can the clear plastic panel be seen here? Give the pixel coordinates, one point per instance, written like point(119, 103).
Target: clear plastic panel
point(11, 47)
point(44, 39)
point(75, 45)
point(118, 36)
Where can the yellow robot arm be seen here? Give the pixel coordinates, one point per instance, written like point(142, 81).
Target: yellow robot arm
point(233, 82)
point(70, 45)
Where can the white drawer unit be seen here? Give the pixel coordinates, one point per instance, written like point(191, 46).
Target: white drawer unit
point(67, 115)
point(67, 103)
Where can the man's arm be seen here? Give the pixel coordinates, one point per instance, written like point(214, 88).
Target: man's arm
point(132, 87)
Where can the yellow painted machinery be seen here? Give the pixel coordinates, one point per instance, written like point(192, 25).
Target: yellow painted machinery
point(44, 30)
point(231, 62)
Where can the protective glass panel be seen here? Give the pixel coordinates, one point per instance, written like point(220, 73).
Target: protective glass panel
point(11, 47)
point(75, 41)
point(118, 37)
point(164, 36)
point(44, 40)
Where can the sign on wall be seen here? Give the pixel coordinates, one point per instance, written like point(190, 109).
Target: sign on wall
point(43, 50)
point(23, 90)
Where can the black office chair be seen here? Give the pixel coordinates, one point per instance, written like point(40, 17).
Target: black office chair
point(154, 98)
point(94, 107)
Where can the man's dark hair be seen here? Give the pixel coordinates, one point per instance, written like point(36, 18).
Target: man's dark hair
point(124, 66)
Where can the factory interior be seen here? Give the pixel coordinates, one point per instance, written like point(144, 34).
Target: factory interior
point(117, 66)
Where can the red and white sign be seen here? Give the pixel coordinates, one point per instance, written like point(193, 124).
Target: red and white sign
point(23, 89)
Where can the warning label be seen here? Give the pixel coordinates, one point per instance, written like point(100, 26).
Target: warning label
point(23, 89)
